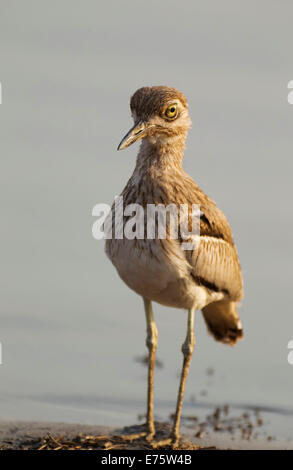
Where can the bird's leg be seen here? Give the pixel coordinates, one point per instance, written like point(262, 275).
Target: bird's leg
point(187, 349)
point(151, 343)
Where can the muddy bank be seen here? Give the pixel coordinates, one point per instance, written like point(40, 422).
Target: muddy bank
point(60, 436)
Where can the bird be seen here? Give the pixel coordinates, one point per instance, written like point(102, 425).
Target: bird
point(207, 277)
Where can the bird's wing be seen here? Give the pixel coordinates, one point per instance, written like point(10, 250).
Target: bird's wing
point(214, 260)
point(215, 265)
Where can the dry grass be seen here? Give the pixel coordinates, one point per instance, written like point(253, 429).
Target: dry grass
point(132, 438)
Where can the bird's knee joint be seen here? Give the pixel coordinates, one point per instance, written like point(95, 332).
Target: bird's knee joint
point(188, 347)
point(152, 339)
point(151, 344)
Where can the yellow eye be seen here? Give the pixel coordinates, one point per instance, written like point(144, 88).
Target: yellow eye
point(171, 111)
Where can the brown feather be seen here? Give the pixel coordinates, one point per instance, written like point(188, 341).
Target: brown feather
point(223, 321)
point(158, 178)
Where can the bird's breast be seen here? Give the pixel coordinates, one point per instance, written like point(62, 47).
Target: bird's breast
point(156, 270)
point(144, 265)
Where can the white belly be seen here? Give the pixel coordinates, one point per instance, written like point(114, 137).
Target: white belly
point(147, 269)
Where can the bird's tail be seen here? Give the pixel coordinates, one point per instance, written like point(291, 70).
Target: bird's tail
point(223, 321)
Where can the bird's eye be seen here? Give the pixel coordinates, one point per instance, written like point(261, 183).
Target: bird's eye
point(171, 111)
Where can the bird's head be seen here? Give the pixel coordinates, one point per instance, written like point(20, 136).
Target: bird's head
point(160, 114)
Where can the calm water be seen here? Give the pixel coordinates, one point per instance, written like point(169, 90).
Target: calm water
point(70, 330)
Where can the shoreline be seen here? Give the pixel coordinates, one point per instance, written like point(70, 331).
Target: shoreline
point(14, 434)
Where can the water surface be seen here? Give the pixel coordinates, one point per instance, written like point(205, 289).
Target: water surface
point(70, 329)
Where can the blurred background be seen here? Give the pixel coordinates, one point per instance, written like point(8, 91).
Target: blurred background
point(71, 331)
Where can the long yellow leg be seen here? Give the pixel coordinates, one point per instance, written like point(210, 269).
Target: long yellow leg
point(187, 349)
point(151, 343)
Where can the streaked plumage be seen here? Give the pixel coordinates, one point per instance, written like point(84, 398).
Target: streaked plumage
point(208, 278)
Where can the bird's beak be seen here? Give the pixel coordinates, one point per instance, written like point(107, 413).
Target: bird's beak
point(138, 131)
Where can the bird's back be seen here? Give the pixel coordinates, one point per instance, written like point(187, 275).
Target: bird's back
point(160, 269)
point(208, 276)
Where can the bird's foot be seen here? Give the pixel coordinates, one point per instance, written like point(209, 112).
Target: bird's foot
point(165, 444)
point(172, 442)
point(135, 436)
point(148, 434)
point(150, 431)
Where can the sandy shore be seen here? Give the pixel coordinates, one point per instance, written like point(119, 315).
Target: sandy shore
point(17, 435)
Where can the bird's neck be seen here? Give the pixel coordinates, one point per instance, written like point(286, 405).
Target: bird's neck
point(160, 156)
